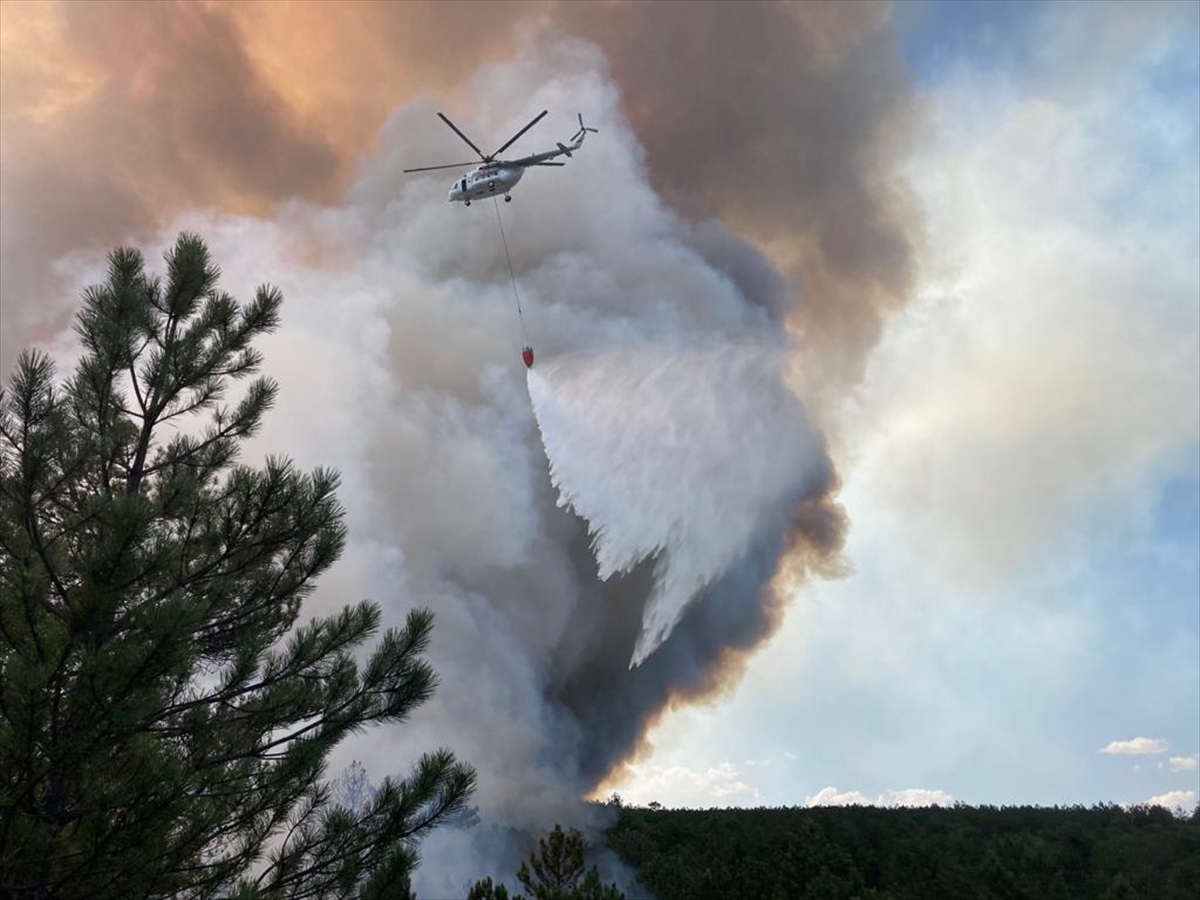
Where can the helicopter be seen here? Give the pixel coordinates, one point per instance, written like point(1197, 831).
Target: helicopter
point(499, 176)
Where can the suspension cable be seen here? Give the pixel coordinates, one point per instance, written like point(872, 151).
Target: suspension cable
point(511, 274)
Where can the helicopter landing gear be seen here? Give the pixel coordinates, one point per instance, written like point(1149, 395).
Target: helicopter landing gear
point(507, 199)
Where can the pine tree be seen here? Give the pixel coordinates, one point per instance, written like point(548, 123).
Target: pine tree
point(557, 871)
point(353, 789)
point(164, 717)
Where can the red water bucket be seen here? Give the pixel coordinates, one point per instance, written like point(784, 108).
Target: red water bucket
point(527, 355)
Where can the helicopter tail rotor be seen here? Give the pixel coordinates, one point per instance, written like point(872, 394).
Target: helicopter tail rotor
point(583, 130)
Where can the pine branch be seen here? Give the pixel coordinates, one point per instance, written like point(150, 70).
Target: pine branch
point(166, 720)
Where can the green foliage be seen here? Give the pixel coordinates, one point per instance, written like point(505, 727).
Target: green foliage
point(164, 720)
point(1120, 889)
point(863, 853)
point(486, 890)
point(557, 871)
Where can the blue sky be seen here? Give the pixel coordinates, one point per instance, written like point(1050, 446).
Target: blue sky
point(938, 33)
point(1025, 476)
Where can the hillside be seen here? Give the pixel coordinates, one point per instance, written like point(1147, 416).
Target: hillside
point(960, 853)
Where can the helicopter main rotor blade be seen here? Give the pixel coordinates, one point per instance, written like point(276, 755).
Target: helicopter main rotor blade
point(464, 137)
point(451, 166)
point(513, 139)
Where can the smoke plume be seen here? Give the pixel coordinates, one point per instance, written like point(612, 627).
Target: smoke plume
point(666, 309)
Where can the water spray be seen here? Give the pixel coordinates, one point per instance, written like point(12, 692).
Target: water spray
point(679, 455)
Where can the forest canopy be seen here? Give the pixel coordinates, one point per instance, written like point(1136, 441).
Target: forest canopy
point(840, 853)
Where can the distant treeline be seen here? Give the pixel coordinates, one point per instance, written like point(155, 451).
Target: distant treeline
point(866, 853)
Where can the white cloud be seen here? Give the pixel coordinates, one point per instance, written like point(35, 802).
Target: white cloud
point(915, 797)
point(685, 786)
point(1051, 341)
point(1139, 746)
point(1185, 763)
point(908, 797)
point(1185, 800)
point(831, 797)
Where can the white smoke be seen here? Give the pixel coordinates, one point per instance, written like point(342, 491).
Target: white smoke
point(673, 454)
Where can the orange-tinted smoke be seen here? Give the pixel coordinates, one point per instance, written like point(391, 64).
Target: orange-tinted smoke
point(781, 120)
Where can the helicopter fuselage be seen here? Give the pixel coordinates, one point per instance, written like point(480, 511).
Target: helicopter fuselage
point(485, 181)
point(499, 176)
